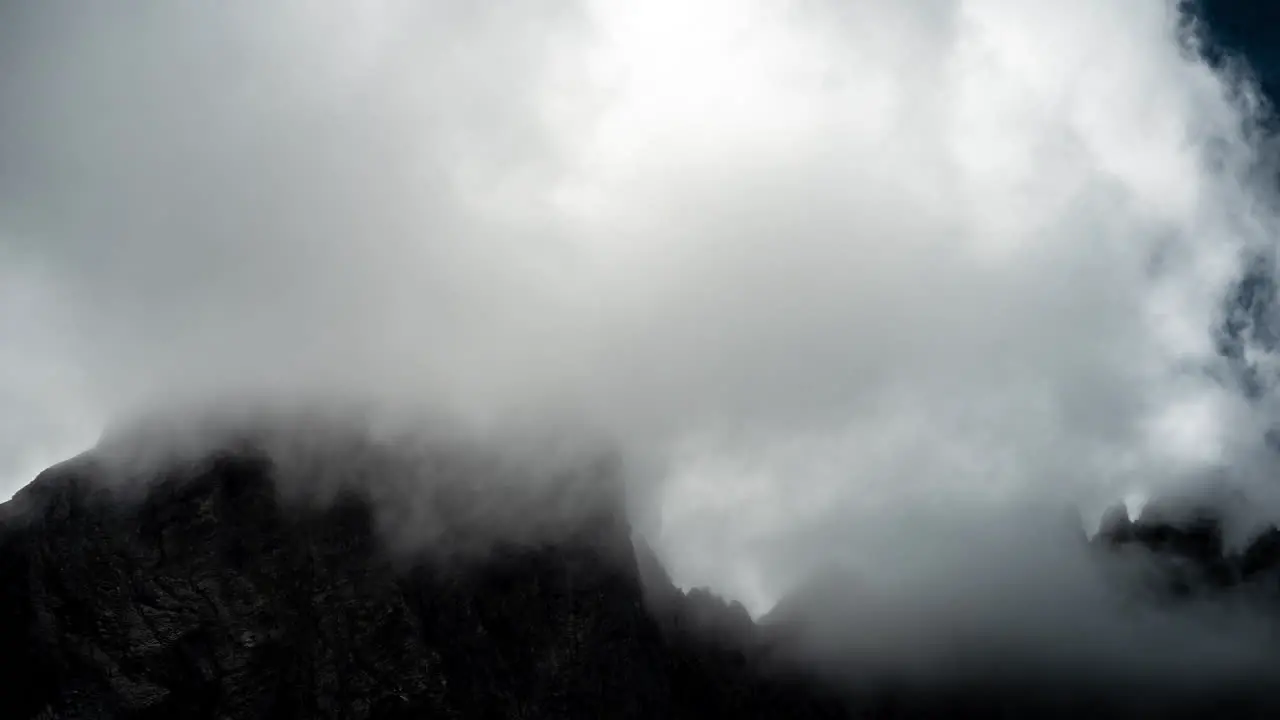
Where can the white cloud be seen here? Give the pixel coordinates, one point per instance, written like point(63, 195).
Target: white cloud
point(823, 260)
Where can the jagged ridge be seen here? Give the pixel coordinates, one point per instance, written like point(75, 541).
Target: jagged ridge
point(215, 588)
point(207, 594)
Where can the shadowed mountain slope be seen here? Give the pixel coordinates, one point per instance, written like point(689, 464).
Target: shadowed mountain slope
point(206, 593)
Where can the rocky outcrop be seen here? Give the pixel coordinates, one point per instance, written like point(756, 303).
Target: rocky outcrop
point(205, 593)
point(223, 586)
point(1186, 542)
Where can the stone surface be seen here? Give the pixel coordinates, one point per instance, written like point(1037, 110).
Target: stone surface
point(213, 590)
point(205, 595)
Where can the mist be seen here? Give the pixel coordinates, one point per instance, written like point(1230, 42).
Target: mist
point(844, 284)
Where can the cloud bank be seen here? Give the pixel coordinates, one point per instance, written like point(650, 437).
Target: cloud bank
point(824, 270)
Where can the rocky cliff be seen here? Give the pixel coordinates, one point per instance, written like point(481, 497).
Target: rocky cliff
point(207, 593)
point(219, 587)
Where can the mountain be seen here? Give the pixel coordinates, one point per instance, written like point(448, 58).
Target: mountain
point(235, 582)
point(210, 590)
point(1163, 619)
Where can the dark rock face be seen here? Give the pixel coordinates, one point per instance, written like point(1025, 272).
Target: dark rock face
point(207, 596)
point(1188, 546)
point(208, 593)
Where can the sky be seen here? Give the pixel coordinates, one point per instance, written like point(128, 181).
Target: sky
point(826, 271)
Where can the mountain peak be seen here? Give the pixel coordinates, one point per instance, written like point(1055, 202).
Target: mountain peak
point(227, 586)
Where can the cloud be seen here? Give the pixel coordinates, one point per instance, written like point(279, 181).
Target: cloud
point(815, 265)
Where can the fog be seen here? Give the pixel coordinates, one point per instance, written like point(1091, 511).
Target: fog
point(842, 281)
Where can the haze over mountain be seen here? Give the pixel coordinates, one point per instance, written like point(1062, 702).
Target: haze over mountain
point(310, 569)
point(879, 289)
